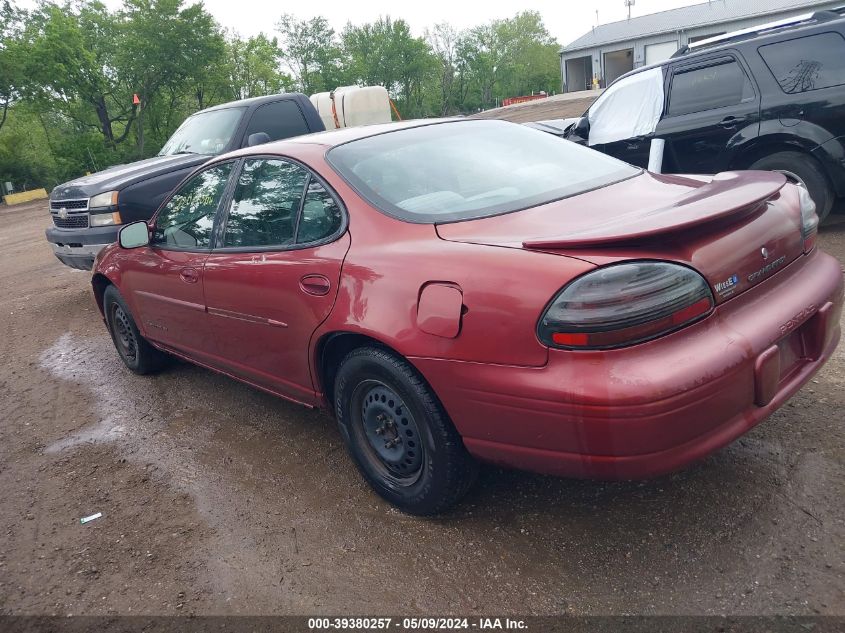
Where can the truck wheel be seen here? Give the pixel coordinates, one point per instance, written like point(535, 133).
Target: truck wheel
point(398, 433)
point(134, 350)
point(805, 171)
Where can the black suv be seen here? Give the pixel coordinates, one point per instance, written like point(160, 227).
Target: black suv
point(89, 211)
point(770, 98)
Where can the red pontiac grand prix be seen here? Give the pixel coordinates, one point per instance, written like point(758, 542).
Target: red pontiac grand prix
point(478, 290)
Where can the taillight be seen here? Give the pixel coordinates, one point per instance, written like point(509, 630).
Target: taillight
point(809, 219)
point(624, 304)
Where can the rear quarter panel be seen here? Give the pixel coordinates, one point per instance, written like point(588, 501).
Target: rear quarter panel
point(504, 290)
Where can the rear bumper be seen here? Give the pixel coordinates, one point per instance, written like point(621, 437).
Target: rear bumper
point(655, 407)
point(78, 248)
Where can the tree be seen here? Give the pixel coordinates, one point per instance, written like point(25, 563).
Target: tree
point(385, 53)
point(254, 67)
point(445, 43)
point(165, 46)
point(11, 57)
point(310, 50)
point(70, 63)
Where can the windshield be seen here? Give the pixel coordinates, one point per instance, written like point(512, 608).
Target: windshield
point(204, 133)
point(470, 169)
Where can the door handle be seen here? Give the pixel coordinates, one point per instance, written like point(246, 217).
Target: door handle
point(317, 285)
point(189, 275)
point(730, 122)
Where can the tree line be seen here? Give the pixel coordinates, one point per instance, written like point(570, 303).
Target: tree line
point(83, 87)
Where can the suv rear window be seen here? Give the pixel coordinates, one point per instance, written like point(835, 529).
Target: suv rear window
point(807, 63)
point(462, 170)
point(709, 87)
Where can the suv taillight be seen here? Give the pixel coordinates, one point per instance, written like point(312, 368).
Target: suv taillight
point(809, 219)
point(624, 304)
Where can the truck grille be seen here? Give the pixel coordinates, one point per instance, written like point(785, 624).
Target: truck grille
point(70, 205)
point(72, 221)
point(70, 214)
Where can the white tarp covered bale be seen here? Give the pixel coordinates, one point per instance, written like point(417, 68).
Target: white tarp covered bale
point(630, 107)
point(353, 105)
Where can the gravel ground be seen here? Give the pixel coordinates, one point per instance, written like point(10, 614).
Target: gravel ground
point(219, 499)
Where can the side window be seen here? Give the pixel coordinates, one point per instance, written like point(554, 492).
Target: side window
point(807, 63)
point(321, 217)
point(186, 221)
point(281, 119)
point(265, 204)
point(707, 88)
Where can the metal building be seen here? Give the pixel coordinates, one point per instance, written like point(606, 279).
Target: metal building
point(610, 50)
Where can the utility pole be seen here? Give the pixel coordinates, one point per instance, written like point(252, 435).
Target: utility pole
point(629, 4)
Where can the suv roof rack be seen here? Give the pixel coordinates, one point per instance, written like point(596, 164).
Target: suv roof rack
point(762, 29)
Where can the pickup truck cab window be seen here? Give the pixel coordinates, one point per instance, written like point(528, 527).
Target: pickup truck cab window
point(279, 119)
point(187, 220)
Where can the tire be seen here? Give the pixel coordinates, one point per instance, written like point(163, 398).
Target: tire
point(134, 350)
point(380, 397)
point(803, 170)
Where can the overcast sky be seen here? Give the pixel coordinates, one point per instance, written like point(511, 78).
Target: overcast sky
point(565, 20)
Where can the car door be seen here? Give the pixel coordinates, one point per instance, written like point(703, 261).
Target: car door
point(713, 108)
point(164, 279)
point(274, 272)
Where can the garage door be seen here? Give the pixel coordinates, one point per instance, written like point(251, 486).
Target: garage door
point(656, 53)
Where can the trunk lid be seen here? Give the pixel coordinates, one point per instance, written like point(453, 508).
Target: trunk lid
point(736, 229)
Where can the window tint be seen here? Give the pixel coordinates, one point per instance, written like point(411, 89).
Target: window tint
point(281, 119)
point(321, 217)
point(187, 219)
point(707, 88)
point(807, 63)
point(265, 204)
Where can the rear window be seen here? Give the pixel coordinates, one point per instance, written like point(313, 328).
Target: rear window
point(464, 170)
point(807, 63)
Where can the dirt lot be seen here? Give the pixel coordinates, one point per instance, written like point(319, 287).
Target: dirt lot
point(560, 106)
point(219, 499)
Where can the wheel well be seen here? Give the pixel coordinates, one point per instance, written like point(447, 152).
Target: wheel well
point(755, 153)
point(332, 349)
point(100, 282)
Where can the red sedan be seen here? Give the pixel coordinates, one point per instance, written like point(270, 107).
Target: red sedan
point(462, 290)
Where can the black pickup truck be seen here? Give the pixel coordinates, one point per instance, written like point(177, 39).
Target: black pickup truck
point(88, 212)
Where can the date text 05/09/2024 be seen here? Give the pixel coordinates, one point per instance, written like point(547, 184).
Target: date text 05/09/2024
point(414, 624)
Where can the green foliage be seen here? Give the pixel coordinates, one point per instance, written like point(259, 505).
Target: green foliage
point(69, 70)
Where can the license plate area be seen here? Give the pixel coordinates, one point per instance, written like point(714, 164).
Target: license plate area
point(793, 353)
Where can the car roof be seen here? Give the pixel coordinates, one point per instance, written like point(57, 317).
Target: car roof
point(332, 138)
point(254, 101)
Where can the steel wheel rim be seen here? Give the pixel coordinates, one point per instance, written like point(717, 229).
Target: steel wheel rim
point(388, 433)
point(127, 344)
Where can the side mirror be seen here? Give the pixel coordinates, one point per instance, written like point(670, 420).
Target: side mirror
point(134, 235)
point(259, 138)
point(581, 129)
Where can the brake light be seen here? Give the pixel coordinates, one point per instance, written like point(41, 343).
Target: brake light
point(624, 304)
point(809, 219)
